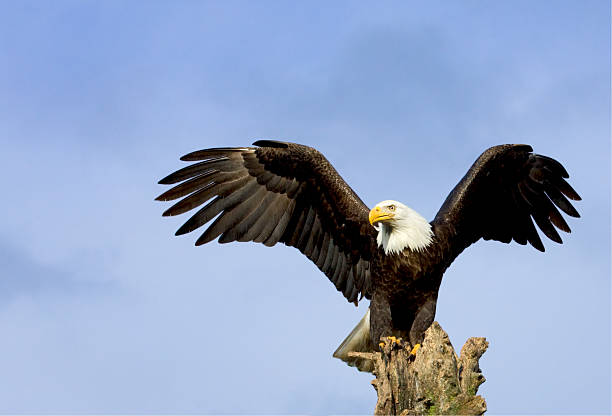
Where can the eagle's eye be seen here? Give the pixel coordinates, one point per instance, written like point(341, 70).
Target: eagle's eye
point(391, 207)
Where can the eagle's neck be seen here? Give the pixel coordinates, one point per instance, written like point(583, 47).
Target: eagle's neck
point(410, 230)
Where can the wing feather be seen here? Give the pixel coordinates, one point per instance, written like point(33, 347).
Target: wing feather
point(500, 197)
point(565, 188)
point(232, 216)
point(241, 228)
point(316, 240)
point(188, 186)
point(278, 192)
point(348, 289)
point(323, 251)
point(219, 204)
point(332, 250)
point(561, 201)
point(269, 225)
point(282, 224)
point(207, 192)
point(256, 229)
point(339, 271)
point(224, 164)
point(306, 230)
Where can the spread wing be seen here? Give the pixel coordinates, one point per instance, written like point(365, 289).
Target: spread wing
point(505, 189)
point(278, 192)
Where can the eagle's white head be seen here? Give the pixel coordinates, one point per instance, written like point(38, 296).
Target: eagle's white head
point(399, 227)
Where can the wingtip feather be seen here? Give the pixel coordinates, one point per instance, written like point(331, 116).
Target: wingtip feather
point(166, 180)
point(181, 231)
point(189, 157)
point(201, 241)
point(571, 194)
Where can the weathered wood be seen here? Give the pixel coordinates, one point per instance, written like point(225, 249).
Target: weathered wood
point(435, 381)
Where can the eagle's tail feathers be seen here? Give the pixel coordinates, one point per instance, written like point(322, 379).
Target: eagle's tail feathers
point(357, 341)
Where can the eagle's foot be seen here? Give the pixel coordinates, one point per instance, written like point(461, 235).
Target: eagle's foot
point(413, 352)
point(388, 344)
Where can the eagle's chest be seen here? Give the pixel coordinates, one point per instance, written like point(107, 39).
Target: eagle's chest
point(406, 275)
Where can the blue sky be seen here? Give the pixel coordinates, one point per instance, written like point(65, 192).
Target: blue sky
point(103, 310)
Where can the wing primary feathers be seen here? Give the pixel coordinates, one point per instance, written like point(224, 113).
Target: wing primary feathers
point(269, 225)
point(258, 226)
point(557, 197)
point(532, 234)
point(202, 195)
point(545, 208)
point(188, 186)
point(547, 228)
point(533, 237)
point(224, 164)
point(541, 210)
point(507, 194)
point(214, 152)
point(277, 215)
point(562, 185)
point(216, 206)
point(236, 232)
point(550, 177)
point(276, 192)
point(530, 196)
point(194, 222)
point(553, 164)
point(279, 230)
point(195, 199)
point(232, 216)
point(557, 219)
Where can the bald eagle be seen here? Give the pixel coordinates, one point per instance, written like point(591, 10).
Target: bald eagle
point(280, 192)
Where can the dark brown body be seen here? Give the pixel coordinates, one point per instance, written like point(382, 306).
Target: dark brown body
point(405, 291)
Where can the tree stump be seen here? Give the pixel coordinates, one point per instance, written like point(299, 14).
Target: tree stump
point(434, 382)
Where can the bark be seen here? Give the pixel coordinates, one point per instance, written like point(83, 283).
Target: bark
point(433, 382)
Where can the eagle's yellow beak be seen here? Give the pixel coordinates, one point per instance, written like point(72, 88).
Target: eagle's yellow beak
point(377, 214)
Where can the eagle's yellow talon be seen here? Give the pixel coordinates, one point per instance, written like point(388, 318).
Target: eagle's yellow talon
point(415, 349)
point(390, 343)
